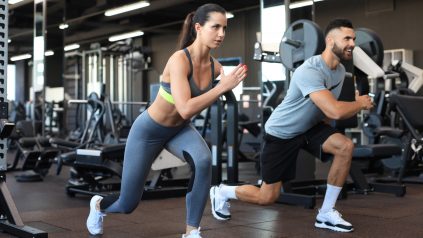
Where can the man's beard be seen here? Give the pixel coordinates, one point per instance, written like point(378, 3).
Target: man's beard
point(340, 53)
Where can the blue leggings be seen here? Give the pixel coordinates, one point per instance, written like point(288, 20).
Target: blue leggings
point(145, 141)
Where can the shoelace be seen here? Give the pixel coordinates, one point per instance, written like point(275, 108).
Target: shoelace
point(222, 205)
point(337, 213)
point(338, 216)
point(194, 233)
point(102, 215)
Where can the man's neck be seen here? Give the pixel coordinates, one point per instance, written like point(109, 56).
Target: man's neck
point(331, 60)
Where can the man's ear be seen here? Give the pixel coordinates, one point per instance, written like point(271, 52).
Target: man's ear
point(329, 41)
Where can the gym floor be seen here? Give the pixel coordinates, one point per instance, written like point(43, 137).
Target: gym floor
point(46, 206)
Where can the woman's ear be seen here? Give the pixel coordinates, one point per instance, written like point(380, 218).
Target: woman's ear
point(197, 26)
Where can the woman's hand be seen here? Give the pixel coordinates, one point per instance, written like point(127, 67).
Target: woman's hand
point(231, 80)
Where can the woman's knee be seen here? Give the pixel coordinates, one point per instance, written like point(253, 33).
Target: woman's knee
point(123, 206)
point(128, 211)
point(201, 161)
point(204, 163)
point(129, 208)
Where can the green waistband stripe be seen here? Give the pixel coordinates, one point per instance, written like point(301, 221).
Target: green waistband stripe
point(167, 96)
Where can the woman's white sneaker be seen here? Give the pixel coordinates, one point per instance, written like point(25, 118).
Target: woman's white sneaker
point(332, 220)
point(193, 234)
point(95, 218)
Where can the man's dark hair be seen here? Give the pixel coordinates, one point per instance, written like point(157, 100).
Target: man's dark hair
point(338, 23)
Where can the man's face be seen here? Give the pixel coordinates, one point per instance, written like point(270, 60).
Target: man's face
point(343, 42)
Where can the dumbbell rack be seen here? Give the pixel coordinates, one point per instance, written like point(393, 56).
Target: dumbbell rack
point(10, 221)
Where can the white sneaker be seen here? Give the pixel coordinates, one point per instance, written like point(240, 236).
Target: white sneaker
point(219, 204)
point(193, 234)
point(95, 218)
point(332, 220)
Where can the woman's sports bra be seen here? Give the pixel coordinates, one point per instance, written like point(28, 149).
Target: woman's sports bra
point(166, 93)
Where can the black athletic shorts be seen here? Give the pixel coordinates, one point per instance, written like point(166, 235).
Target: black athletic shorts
point(279, 156)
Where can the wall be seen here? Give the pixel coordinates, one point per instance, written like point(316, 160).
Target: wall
point(399, 27)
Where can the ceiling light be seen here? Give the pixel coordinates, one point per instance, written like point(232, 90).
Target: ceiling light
point(71, 47)
point(20, 57)
point(126, 8)
point(229, 15)
point(49, 53)
point(300, 4)
point(63, 26)
point(14, 1)
point(126, 35)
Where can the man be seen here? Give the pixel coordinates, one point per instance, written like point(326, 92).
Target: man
point(299, 122)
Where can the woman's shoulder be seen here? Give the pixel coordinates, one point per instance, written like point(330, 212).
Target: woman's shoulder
point(178, 56)
point(178, 60)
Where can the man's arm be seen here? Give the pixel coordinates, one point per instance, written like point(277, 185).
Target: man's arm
point(335, 109)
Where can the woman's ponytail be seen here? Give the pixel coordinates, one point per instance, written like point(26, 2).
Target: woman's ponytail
point(188, 33)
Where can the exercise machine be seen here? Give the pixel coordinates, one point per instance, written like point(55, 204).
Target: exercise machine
point(100, 167)
point(415, 77)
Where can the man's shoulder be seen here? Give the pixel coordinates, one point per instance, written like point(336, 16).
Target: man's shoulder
point(311, 67)
point(312, 63)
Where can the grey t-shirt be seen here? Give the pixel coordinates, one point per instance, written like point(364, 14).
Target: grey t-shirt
point(297, 113)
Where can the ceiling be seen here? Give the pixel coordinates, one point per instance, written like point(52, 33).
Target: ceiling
point(88, 24)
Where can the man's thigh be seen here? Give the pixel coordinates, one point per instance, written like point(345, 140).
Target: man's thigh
point(278, 158)
point(316, 138)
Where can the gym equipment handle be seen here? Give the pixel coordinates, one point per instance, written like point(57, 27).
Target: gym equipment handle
point(391, 76)
point(295, 43)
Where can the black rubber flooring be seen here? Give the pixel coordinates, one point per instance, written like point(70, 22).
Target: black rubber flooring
point(46, 206)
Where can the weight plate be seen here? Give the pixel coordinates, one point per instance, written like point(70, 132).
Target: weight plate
point(301, 40)
point(370, 123)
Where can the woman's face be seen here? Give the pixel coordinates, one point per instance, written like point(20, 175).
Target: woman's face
point(212, 32)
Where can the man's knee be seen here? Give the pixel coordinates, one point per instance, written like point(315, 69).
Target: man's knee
point(268, 197)
point(346, 148)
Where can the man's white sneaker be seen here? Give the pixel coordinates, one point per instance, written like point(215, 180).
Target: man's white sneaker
point(95, 218)
point(219, 204)
point(193, 234)
point(332, 219)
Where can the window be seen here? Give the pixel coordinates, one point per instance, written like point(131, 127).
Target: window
point(11, 82)
point(272, 30)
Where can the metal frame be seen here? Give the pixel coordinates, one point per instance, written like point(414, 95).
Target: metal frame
point(216, 137)
point(10, 221)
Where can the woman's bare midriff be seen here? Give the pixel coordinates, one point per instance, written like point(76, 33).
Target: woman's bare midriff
point(164, 113)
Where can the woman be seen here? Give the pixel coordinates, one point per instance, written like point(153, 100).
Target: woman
point(185, 90)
